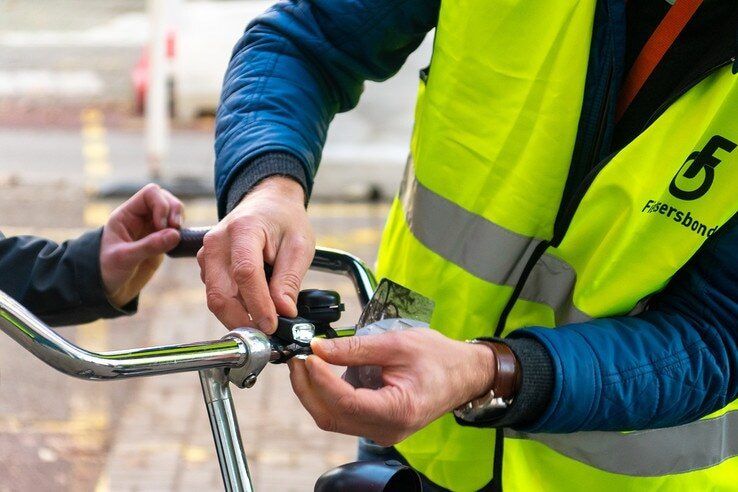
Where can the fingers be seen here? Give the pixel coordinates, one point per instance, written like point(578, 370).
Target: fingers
point(150, 203)
point(380, 350)
point(370, 405)
point(248, 241)
point(151, 206)
point(304, 390)
point(337, 407)
point(154, 244)
point(221, 291)
point(326, 416)
point(140, 226)
point(201, 262)
point(264, 227)
point(176, 209)
point(290, 266)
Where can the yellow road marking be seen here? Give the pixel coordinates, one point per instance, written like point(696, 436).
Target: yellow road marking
point(103, 483)
point(201, 211)
point(90, 410)
point(366, 235)
point(94, 131)
point(57, 234)
point(196, 454)
point(97, 168)
point(91, 115)
point(348, 210)
point(97, 213)
point(14, 425)
point(95, 150)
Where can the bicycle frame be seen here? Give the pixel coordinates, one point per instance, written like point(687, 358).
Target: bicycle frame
point(245, 350)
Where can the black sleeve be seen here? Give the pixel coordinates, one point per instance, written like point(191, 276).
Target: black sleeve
point(59, 283)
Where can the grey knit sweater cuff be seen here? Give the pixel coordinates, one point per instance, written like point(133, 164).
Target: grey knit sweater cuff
point(262, 167)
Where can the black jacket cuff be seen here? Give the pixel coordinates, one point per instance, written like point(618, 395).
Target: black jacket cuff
point(85, 254)
point(264, 166)
point(537, 372)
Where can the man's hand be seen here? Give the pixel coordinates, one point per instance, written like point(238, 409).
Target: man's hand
point(269, 225)
point(425, 375)
point(134, 240)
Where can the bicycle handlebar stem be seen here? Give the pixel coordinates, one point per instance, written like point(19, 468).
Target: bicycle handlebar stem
point(226, 435)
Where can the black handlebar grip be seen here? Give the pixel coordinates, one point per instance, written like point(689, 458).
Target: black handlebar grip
point(190, 242)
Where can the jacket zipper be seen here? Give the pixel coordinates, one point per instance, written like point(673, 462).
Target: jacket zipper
point(566, 217)
point(602, 124)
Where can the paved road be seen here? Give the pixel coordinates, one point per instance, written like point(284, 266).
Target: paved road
point(152, 434)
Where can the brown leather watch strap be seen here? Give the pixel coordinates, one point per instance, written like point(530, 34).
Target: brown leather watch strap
point(507, 375)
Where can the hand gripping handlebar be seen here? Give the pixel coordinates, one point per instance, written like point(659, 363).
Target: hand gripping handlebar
point(325, 260)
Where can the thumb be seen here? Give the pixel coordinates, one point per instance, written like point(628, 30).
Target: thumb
point(154, 244)
point(375, 350)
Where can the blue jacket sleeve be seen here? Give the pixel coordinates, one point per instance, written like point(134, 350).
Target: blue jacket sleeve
point(299, 64)
point(673, 364)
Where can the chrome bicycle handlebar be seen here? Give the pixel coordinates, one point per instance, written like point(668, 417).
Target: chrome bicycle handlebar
point(46, 344)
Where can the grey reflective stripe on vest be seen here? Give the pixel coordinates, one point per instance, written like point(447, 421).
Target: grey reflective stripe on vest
point(477, 245)
point(650, 453)
point(551, 282)
point(487, 250)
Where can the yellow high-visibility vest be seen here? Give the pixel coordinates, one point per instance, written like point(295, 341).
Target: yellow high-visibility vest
point(495, 127)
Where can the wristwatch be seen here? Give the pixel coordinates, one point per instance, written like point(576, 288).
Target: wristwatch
point(496, 401)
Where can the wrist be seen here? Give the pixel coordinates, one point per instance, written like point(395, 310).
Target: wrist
point(483, 371)
point(266, 166)
point(497, 383)
point(283, 187)
point(506, 379)
point(119, 298)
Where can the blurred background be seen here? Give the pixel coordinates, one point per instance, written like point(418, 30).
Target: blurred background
point(98, 97)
